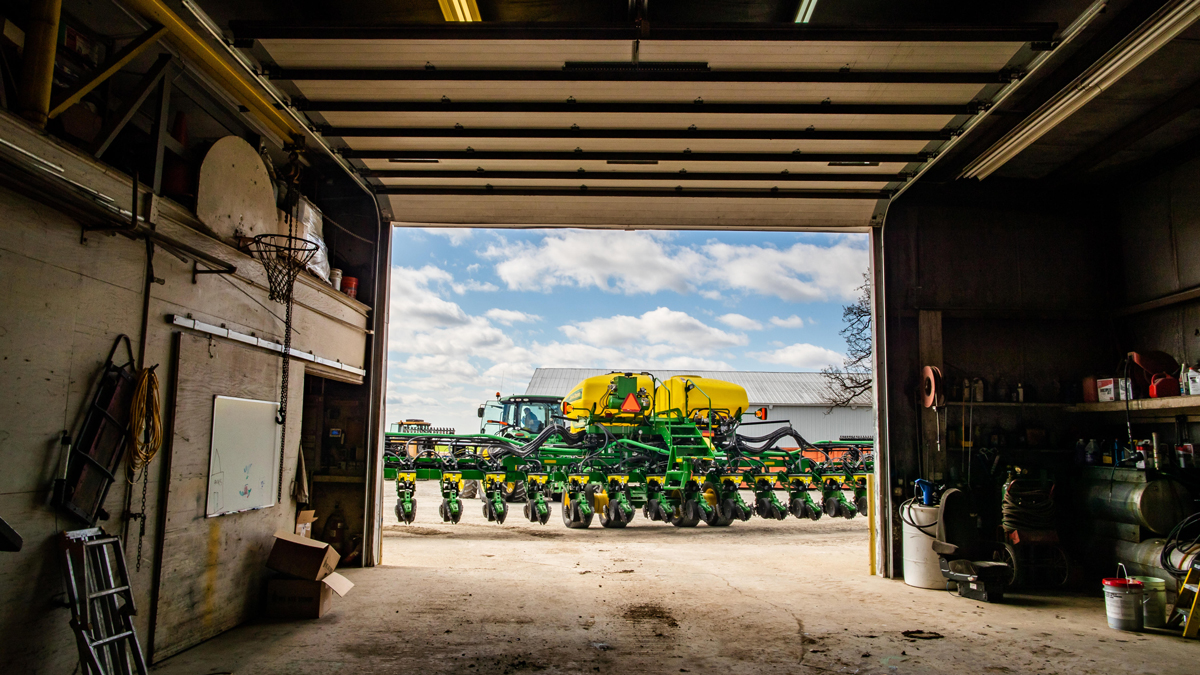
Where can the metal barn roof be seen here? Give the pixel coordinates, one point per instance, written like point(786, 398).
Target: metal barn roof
point(793, 389)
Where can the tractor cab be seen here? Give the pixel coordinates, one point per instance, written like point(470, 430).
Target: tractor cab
point(518, 416)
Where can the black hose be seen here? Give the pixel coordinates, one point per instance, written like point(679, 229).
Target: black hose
point(1031, 508)
point(920, 528)
point(1176, 542)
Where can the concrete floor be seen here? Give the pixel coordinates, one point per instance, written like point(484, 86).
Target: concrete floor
point(757, 597)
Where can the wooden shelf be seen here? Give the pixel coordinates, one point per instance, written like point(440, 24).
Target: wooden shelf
point(1140, 405)
point(1004, 404)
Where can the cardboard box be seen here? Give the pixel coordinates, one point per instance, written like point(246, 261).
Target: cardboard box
point(304, 521)
point(1109, 389)
point(301, 557)
point(302, 599)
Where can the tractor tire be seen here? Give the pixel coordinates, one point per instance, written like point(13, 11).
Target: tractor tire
point(399, 516)
point(689, 515)
point(470, 490)
point(516, 494)
point(861, 503)
point(831, 507)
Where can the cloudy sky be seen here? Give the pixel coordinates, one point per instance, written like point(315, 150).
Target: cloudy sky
point(476, 311)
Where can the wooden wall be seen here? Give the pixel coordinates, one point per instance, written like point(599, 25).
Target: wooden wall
point(998, 281)
point(213, 568)
point(62, 303)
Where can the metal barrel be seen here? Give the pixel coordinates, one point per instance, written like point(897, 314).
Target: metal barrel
point(1157, 505)
point(1140, 559)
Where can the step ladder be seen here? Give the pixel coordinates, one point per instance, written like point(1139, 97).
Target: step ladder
point(1188, 602)
point(101, 601)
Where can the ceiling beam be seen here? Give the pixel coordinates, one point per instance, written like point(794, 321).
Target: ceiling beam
point(603, 155)
point(448, 106)
point(631, 73)
point(585, 191)
point(1178, 105)
point(245, 31)
point(640, 175)
point(665, 134)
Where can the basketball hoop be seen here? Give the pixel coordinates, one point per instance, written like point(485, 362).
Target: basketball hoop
point(283, 257)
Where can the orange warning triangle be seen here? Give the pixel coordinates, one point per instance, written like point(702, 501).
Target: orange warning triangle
point(631, 405)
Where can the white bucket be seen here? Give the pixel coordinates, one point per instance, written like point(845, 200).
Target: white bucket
point(1154, 601)
point(1123, 603)
point(921, 568)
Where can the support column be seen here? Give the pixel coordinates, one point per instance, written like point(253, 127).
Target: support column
point(37, 61)
point(883, 513)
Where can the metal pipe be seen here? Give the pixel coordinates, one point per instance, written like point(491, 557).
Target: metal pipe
point(37, 62)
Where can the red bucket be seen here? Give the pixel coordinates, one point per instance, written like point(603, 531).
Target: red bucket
point(350, 286)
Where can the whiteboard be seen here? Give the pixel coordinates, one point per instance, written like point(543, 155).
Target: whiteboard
point(244, 458)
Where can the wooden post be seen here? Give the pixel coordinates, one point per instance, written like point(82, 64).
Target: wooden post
point(933, 462)
point(37, 62)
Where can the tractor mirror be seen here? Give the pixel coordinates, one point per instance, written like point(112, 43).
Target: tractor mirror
point(479, 412)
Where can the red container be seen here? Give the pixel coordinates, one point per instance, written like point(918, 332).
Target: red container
point(350, 286)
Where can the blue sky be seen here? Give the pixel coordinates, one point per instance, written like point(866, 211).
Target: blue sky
point(474, 312)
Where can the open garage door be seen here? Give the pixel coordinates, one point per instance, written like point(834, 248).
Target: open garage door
point(729, 126)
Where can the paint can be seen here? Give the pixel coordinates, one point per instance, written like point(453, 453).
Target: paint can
point(1154, 604)
point(350, 286)
point(335, 278)
point(1123, 603)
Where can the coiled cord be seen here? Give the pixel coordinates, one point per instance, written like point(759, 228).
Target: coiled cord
point(145, 424)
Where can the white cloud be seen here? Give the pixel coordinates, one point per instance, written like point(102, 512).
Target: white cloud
point(740, 322)
point(510, 316)
point(647, 262)
point(800, 355)
point(625, 262)
point(792, 321)
point(456, 235)
point(661, 326)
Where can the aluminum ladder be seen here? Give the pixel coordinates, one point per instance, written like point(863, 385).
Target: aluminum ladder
point(102, 607)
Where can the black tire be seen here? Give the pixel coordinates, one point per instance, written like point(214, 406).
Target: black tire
point(399, 518)
point(611, 516)
point(572, 518)
point(488, 512)
point(861, 505)
point(470, 490)
point(735, 510)
point(517, 494)
point(718, 517)
point(689, 515)
point(831, 507)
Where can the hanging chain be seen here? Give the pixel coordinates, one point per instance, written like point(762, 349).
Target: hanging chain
point(283, 392)
point(142, 516)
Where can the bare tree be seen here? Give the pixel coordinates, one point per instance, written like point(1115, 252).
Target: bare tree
point(854, 378)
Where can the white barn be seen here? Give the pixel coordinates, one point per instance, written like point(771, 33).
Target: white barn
point(798, 398)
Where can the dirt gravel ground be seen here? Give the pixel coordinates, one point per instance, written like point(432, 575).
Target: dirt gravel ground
point(758, 597)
